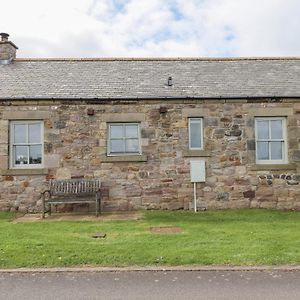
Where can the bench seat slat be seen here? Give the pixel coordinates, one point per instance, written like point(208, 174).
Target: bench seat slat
point(73, 194)
point(71, 201)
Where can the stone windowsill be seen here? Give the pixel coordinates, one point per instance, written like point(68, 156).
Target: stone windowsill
point(196, 153)
point(124, 158)
point(273, 167)
point(24, 172)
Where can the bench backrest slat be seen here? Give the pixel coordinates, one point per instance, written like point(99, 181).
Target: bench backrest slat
point(74, 186)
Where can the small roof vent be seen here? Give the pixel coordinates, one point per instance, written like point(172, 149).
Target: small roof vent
point(170, 81)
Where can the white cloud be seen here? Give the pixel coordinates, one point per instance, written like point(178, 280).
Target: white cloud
point(95, 28)
point(261, 27)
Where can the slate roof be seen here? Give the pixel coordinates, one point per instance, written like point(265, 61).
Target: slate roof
point(147, 78)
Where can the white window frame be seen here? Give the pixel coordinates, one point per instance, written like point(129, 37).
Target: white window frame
point(191, 120)
point(284, 159)
point(12, 144)
point(139, 152)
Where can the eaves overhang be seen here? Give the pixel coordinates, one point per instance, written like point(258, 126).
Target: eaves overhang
point(270, 97)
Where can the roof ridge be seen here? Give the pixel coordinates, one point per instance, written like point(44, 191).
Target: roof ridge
point(157, 59)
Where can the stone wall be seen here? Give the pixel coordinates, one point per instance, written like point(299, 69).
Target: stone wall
point(75, 146)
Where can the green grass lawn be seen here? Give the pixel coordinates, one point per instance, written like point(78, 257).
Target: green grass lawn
point(232, 237)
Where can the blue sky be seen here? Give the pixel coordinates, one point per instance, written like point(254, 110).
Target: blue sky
point(147, 28)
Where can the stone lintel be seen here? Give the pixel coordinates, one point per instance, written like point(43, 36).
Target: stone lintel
point(124, 158)
point(273, 167)
point(195, 112)
point(271, 111)
point(25, 115)
point(16, 172)
point(128, 117)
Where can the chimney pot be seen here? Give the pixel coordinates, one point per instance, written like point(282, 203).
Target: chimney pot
point(4, 37)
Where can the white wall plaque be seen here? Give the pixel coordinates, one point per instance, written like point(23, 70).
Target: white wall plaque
point(197, 170)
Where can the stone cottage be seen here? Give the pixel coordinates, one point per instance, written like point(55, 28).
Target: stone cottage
point(138, 123)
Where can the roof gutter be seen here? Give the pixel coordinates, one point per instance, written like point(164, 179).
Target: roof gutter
point(147, 98)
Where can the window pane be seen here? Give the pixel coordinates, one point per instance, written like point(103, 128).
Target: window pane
point(276, 150)
point(21, 155)
point(34, 132)
point(132, 146)
point(262, 129)
point(195, 134)
point(117, 146)
point(131, 131)
point(20, 133)
point(262, 150)
point(116, 131)
point(276, 129)
point(35, 154)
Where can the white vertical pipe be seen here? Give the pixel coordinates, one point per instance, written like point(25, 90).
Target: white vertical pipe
point(195, 197)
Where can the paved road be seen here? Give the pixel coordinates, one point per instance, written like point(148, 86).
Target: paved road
point(151, 285)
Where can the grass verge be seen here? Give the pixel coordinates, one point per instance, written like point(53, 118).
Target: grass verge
point(232, 237)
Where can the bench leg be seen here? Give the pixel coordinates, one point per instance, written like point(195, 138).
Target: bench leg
point(97, 205)
point(43, 207)
point(98, 208)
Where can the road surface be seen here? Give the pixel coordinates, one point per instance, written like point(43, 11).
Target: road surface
point(152, 285)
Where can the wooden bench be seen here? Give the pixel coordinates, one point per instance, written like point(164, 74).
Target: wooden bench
point(72, 191)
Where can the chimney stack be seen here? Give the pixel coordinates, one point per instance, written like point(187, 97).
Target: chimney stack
point(7, 49)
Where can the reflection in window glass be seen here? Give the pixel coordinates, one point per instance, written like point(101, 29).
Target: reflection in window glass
point(263, 129)
point(34, 132)
point(131, 131)
point(21, 155)
point(132, 145)
point(117, 146)
point(35, 154)
point(262, 150)
point(276, 129)
point(276, 150)
point(116, 131)
point(20, 133)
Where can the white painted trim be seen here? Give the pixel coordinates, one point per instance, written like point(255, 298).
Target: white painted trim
point(124, 153)
point(284, 140)
point(11, 145)
point(201, 132)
